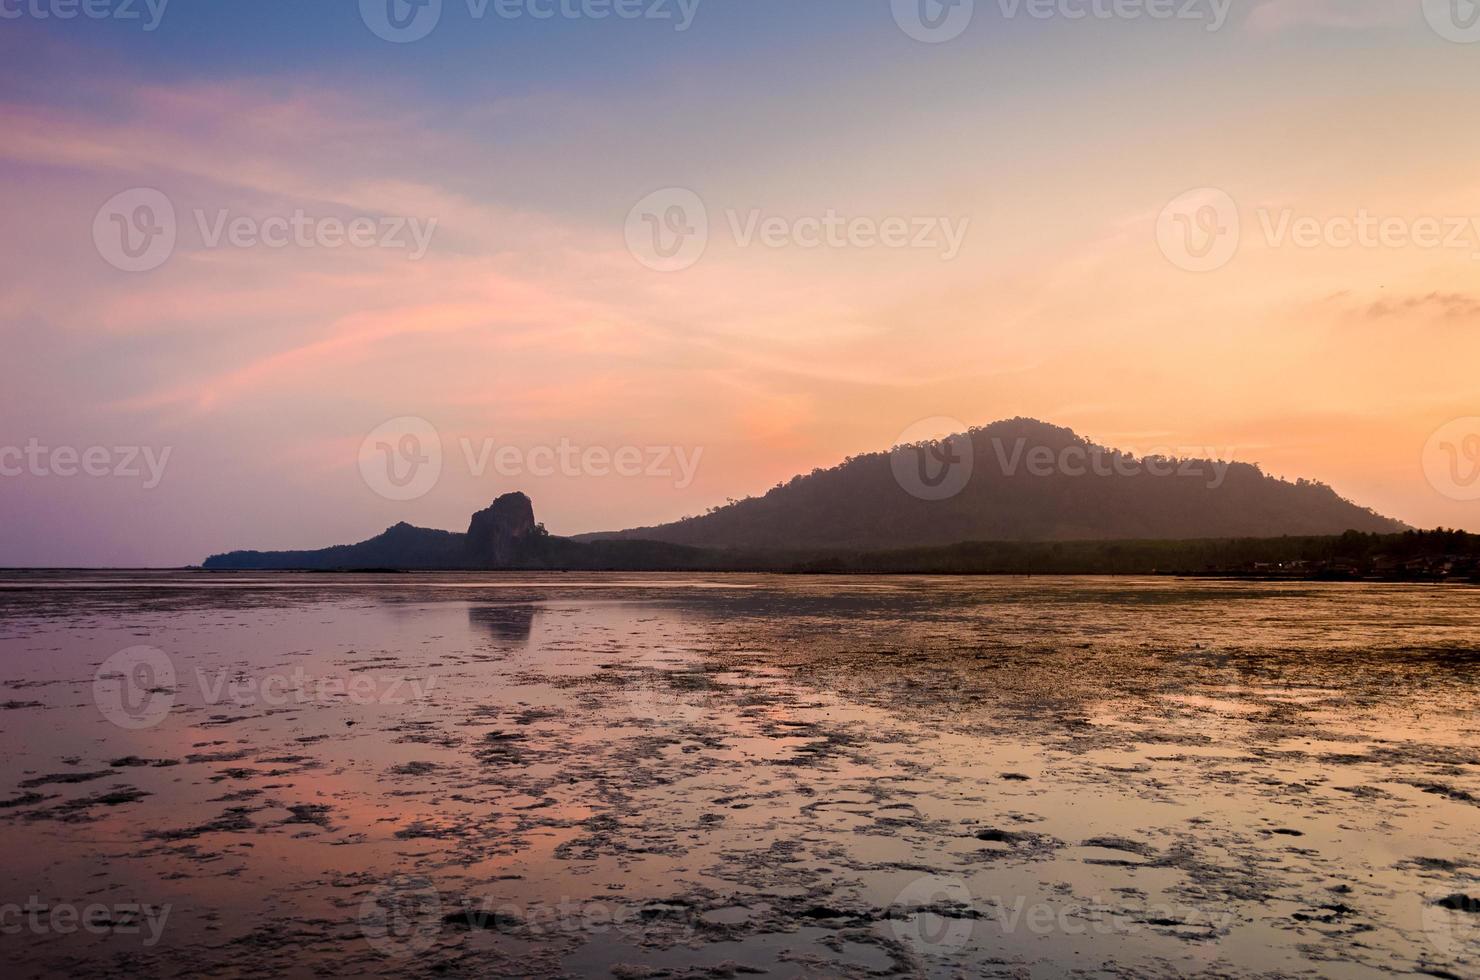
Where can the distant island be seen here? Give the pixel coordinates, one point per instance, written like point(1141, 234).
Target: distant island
point(1025, 509)
point(1028, 481)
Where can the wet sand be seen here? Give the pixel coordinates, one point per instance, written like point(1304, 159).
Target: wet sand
point(679, 776)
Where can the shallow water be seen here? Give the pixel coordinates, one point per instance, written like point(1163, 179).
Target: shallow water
point(616, 775)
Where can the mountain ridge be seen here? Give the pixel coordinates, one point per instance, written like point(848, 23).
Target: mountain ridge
point(1014, 481)
point(866, 501)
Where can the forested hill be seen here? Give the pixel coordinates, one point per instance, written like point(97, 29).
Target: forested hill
point(1017, 480)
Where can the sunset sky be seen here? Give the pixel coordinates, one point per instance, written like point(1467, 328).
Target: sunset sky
point(1053, 144)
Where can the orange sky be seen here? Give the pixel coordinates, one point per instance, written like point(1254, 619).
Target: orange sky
point(529, 321)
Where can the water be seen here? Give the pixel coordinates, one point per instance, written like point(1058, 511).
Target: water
point(616, 775)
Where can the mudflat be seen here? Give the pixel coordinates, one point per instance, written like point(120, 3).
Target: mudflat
point(710, 776)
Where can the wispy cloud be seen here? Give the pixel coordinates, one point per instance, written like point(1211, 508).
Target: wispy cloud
point(1453, 306)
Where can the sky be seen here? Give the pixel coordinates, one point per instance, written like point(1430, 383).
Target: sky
point(281, 274)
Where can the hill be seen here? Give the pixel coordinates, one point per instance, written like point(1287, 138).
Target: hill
point(503, 535)
point(1016, 480)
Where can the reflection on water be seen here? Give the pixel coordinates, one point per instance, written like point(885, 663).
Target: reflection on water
point(505, 624)
point(609, 775)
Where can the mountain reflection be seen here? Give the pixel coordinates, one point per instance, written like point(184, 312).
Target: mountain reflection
point(505, 624)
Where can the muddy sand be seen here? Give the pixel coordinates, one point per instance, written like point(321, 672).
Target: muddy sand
point(727, 776)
